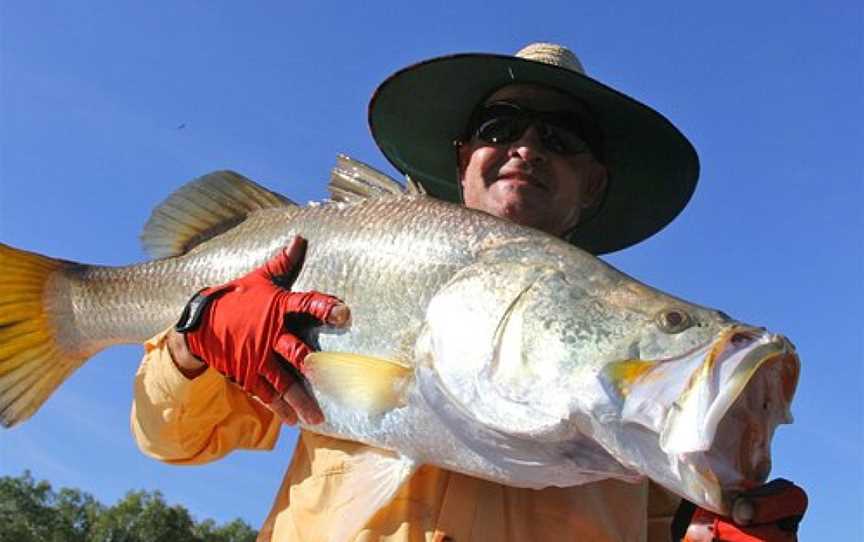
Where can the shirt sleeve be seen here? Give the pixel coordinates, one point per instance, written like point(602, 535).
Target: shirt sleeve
point(662, 506)
point(190, 421)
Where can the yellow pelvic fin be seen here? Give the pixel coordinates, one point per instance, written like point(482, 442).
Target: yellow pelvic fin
point(364, 383)
point(32, 364)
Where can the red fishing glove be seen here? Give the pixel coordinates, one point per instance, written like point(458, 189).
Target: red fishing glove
point(770, 513)
point(241, 331)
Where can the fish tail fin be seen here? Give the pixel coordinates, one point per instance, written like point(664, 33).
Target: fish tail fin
point(33, 362)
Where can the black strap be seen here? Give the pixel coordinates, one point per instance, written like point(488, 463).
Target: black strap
point(190, 318)
point(682, 519)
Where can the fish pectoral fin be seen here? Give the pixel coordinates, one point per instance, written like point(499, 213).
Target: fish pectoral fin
point(370, 481)
point(363, 383)
point(204, 208)
point(622, 374)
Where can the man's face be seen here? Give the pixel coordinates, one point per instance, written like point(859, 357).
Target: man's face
point(522, 180)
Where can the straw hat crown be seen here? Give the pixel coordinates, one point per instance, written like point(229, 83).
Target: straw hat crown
point(552, 54)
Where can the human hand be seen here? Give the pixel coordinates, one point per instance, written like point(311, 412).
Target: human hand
point(769, 513)
point(241, 333)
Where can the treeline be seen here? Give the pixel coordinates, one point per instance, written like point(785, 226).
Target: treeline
point(33, 511)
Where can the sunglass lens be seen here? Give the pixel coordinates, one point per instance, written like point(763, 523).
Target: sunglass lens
point(499, 130)
point(502, 123)
point(562, 140)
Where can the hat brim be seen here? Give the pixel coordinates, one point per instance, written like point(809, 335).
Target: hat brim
point(418, 112)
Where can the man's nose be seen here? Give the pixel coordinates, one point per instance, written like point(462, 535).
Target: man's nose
point(529, 146)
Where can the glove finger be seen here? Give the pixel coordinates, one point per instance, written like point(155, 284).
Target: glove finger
point(298, 399)
point(293, 350)
point(286, 263)
point(322, 307)
point(261, 389)
point(276, 375)
point(273, 400)
point(282, 409)
point(289, 389)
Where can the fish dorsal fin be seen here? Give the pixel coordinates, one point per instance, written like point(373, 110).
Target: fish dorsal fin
point(352, 181)
point(202, 209)
point(414, 187)
point(371, 479)
point(360, 383)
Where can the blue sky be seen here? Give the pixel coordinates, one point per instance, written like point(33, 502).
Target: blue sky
point(106, 107)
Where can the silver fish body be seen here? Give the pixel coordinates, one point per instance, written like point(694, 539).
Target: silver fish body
point(510, 355)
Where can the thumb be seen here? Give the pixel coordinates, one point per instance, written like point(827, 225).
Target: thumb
point(286, 263)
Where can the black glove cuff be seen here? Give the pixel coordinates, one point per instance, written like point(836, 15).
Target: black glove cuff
point(190, 318)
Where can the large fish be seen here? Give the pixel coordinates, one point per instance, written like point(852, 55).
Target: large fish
point(475, 344)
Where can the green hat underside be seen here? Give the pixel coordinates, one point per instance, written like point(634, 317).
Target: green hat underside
point(418, 112)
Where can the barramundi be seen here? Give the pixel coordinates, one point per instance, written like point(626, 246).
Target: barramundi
point(475, 344)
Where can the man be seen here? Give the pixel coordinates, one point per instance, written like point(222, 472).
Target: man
point(528, 138)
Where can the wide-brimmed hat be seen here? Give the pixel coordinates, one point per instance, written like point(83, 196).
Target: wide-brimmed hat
point(417, 113)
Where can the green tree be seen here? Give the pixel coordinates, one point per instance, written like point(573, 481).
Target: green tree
point(234, 531)
point(31, 511)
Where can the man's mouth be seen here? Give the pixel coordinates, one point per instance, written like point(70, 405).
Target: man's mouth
point(521, 178)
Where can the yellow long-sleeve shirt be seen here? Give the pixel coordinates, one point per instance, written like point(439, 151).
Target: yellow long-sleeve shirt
point(184, 421)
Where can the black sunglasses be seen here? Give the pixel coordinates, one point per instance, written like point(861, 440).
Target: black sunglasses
point(499, 123)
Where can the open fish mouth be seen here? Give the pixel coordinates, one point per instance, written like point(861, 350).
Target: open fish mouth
point(740, 455)
point(727, 371)
point(714, 409)
point(722, 425)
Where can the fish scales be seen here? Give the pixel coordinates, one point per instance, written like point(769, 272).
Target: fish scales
point(344, 253)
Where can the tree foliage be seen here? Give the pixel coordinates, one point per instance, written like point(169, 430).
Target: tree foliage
point(33, 511)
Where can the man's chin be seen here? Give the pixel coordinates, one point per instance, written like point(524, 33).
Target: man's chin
point(524, 214)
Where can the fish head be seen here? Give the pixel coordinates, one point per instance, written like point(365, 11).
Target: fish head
point(518, 341)
point(525, 331)
point(546, 345)
point(694, 396)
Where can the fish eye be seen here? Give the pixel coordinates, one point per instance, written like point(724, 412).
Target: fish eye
point(673, 320)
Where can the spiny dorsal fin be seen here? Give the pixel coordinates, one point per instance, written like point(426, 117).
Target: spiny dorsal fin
point(413, 187)
point(352, 181)
point(204, 208)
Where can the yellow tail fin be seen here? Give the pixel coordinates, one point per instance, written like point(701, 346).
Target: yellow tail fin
point(32, 363)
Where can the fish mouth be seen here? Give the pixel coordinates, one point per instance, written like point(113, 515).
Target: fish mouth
point(740, 455)
point(727, 371)
point(722, 425)
point(715, 410)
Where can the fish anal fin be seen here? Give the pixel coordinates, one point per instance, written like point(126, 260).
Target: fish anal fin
point(363, 383)
point(204, 208)
point(371, 479)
